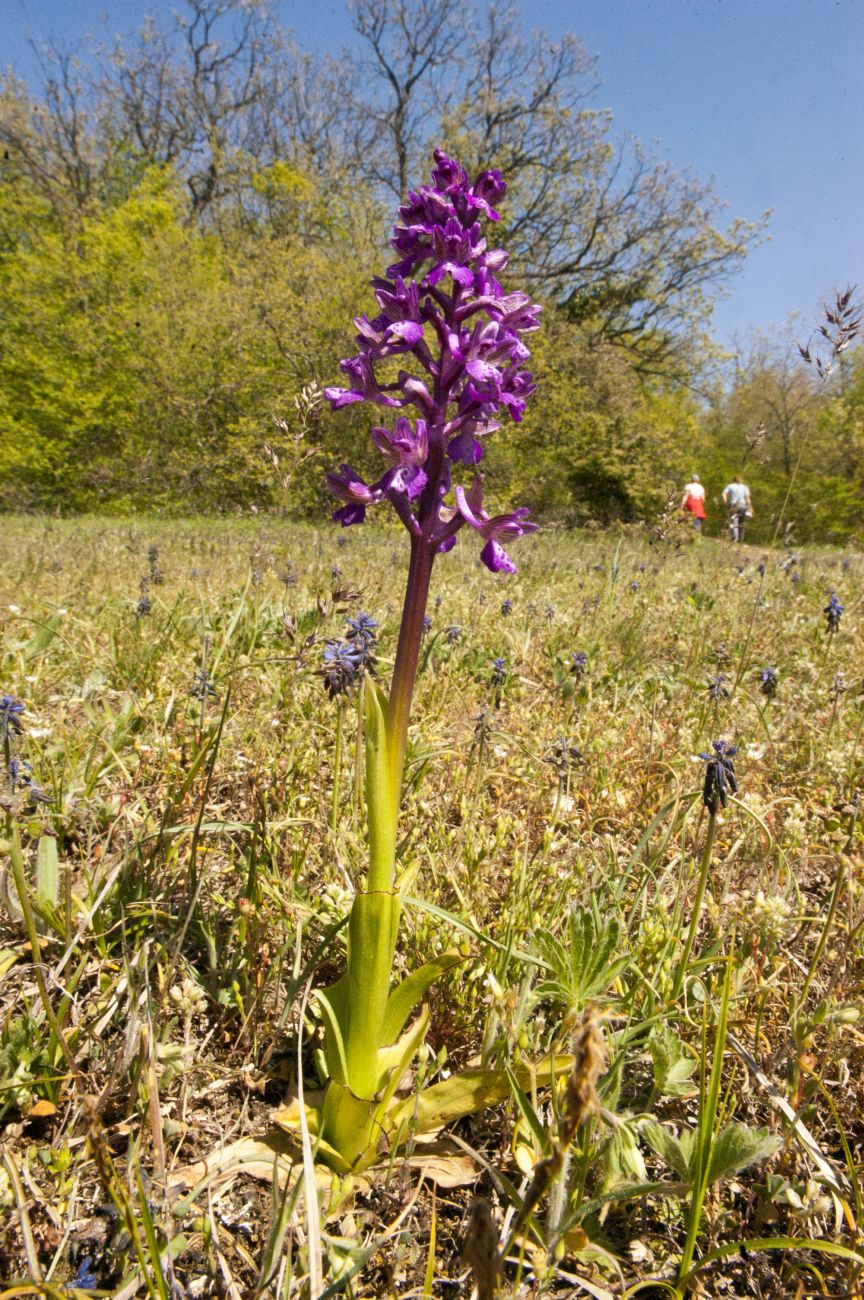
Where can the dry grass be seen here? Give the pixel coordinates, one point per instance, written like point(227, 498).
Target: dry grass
point(199, 885)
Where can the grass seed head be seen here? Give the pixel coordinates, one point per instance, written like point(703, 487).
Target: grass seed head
point(589, 1062)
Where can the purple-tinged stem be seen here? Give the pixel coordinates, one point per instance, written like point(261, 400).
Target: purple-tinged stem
point(408, 655)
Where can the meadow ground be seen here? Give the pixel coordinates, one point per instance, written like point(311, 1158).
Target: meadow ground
point(195, 852)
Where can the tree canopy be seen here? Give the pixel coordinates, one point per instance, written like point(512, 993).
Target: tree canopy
point(188, 222)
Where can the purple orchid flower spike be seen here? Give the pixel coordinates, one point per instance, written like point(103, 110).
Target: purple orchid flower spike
point(443, 290)
point(461, 341)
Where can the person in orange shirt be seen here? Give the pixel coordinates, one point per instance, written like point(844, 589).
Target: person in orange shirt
point(693, 501)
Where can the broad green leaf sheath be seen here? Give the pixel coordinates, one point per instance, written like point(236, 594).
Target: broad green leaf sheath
point(363, 1020)
point(442, 309)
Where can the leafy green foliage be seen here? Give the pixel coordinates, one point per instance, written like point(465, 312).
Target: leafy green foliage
point(797, 441)
point(123, 381)
point(736, 1147)
point(674, 1067)
point(584, 960)
point(24, 1064)
point(189, 994)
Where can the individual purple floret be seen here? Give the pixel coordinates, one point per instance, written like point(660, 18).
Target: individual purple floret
point(833, 612)
point(717, 688)
point(768, 681)
point(362, 628)
point(10, 717)
point(578, 664)
point(444, 313)
point(499, 671)
point(362, 634)
point(341, 665)
point(506, 608)
point(719, 775)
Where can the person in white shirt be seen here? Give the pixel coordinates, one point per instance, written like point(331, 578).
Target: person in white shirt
point(693, 501)
point(737, 497)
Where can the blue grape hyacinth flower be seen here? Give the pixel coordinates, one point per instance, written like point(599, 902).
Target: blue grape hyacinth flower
point(833, 612)
point(720, 779)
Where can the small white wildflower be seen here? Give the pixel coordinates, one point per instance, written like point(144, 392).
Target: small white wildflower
point(772, 916)
point(752, 801)
point(188, 998)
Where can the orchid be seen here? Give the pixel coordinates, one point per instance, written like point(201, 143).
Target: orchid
point(445, 319)
point(466, 337)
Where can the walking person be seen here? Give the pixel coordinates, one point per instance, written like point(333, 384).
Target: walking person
point(737, 497)
point(693, 501)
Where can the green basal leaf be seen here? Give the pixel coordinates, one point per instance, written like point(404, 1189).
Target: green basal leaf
point(471, 1091)
point(664, 1143)
point(334, 1044)
point(673, 1066)
point(47, 870)
point(348, 1128)
point(394, 1061)
point(736, 1147)
point(408, 994)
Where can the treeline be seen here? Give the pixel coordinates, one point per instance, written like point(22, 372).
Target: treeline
point(188, 223)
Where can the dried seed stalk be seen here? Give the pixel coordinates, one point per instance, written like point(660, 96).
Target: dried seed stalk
point(580, 1101)
point(480, 1249)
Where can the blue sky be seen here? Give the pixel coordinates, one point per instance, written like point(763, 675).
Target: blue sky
point(764, 96)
